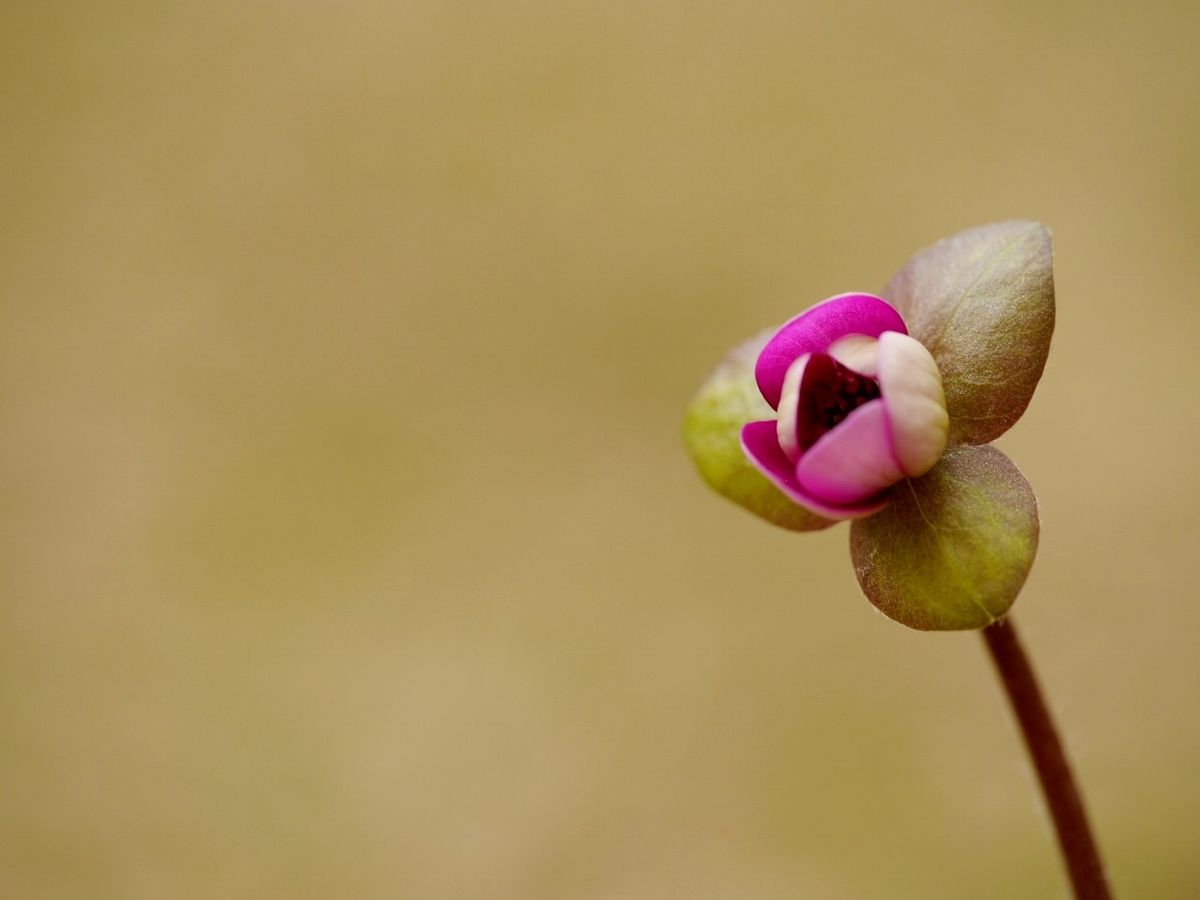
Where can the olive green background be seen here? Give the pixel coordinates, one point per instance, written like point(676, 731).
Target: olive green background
point(349, 549)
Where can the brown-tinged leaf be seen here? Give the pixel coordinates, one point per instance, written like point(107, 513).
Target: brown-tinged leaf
point(953, 548)
point(982, 302)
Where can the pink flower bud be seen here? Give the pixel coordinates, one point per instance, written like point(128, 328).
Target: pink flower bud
point(860, 407)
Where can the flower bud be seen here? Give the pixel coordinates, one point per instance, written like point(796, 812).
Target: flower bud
point(859, 407)
point(820, 420)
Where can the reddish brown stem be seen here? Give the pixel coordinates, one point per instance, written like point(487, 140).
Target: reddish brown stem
point(1050, 760)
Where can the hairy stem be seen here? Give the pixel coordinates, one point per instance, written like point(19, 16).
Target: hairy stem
point(1062, 795)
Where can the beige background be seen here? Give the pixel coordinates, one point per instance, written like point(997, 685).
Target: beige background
point(349, 548)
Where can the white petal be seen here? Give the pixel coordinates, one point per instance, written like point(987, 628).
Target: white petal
point(789, 405)
point(857, 352)
point(912, 389)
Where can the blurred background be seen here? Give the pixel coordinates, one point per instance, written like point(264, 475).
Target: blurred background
point(349, 546)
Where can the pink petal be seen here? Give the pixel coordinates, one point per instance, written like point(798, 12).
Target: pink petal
point(854, 461)
point(761, 446)
point(818, 327)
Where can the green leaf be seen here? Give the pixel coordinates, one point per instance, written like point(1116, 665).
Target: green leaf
point(712, 432)
point(982, 302)
point(952, 549)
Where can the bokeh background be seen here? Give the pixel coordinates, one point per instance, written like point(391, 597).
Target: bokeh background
point(349, 548)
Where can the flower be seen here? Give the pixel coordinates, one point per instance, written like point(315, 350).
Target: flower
point(860, 406)
point(881, 410)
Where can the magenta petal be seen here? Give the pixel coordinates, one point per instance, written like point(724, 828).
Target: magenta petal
point(761, 444)
point(815, 329)
point(854, 461)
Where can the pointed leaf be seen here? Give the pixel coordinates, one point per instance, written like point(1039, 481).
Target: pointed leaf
point(712, 432)
point(982, 302)
point(953, 548)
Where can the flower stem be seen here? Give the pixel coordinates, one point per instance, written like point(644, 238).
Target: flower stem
point(1075, 839)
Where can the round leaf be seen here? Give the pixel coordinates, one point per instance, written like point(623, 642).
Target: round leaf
point(953, 548)
point(982, 302)
point(712, 432)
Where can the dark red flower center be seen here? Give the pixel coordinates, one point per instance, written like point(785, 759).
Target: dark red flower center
point(828, 393)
